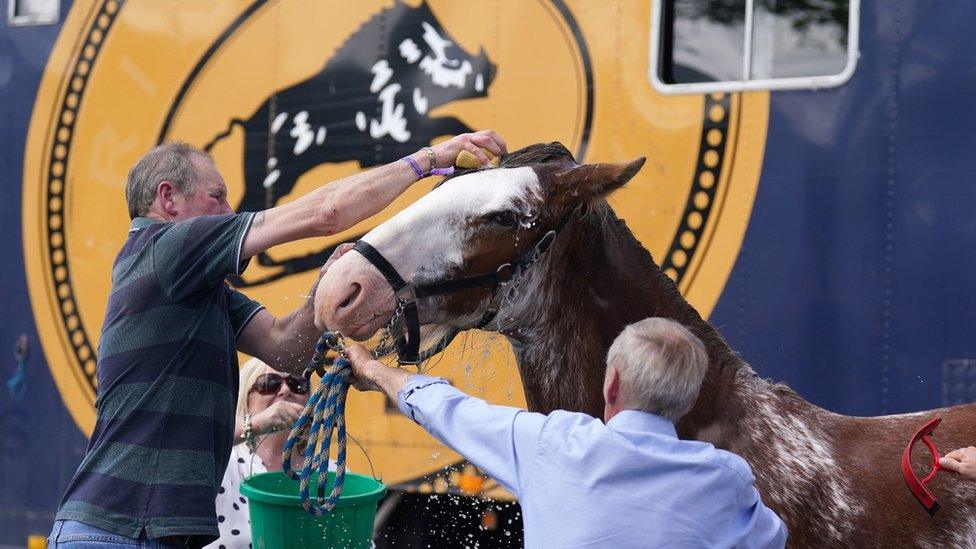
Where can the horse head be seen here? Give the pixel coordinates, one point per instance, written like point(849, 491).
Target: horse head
point(482, 226)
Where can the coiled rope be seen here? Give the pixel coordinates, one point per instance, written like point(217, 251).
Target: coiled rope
point(323, 415)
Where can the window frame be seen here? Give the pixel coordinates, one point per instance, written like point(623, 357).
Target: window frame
point(790, 83)
point(14, 20)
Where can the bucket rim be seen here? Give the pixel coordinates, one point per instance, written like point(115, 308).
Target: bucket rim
point(293, 500)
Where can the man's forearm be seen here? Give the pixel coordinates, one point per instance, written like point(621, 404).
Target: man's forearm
point(388, 380)
point(352, 199)
point(332, 208)
point(295, 335)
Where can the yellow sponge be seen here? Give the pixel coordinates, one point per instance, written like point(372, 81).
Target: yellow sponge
point(468, 160)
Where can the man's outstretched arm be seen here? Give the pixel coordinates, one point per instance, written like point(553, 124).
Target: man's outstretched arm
point(286, 344)
point(337, 206)
point(501, 440)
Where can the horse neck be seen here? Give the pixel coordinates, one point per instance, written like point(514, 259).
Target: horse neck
point(597, 279)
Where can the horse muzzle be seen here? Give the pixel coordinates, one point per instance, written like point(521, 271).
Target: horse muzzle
point(354, 298)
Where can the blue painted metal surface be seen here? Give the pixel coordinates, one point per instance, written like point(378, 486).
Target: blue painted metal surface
point(40, 446)
point(856, 283)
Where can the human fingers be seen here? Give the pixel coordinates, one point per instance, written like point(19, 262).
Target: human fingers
point(949, 463)
point(474, 149)
point(357, 355)
point(484, 140)
point(956, 455)
point(292, 409)
point(497, 139)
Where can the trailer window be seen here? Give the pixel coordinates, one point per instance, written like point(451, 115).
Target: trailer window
point(32, 12)
point(727, 45)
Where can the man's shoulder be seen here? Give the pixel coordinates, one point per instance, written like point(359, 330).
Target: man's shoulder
point(559, 426)
point(574, 419)
point(732, 464)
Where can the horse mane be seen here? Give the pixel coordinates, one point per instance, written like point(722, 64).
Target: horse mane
point(530, 155)
point(604, 219)
point(601, 218)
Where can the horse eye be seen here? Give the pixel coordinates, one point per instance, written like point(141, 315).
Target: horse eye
point(505, 218)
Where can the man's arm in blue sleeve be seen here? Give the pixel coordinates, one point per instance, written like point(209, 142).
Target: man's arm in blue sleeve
point(501, 440)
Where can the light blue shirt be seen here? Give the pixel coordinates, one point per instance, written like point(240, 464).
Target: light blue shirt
point(582, 483)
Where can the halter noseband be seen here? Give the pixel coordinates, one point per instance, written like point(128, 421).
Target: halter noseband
point(407, 295)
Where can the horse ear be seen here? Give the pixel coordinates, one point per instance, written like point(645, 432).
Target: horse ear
point(590, 181)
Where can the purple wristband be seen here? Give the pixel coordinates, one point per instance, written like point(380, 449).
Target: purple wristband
point(415, 166)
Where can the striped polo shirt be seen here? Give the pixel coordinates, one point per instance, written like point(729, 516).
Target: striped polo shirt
point(167, 381)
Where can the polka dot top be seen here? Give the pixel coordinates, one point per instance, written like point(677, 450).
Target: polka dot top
point(232, 515)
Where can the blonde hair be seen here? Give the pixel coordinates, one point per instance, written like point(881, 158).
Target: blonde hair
point(661, 366)
point(249, 373)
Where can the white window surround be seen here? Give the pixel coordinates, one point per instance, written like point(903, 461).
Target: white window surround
point(794, 83)
point(23, 13)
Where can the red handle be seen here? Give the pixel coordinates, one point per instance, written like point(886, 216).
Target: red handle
point(917, 486)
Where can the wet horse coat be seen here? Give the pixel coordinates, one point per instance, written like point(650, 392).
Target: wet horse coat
point(835, 480)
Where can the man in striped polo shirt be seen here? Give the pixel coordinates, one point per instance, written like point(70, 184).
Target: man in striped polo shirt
point(167, 359)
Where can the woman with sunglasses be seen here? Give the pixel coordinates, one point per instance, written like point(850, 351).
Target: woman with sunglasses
point(268, 404)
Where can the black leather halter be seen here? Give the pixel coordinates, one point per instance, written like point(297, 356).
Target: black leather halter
point(407, 295)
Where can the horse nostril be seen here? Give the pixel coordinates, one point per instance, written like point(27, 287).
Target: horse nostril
point(356, 288)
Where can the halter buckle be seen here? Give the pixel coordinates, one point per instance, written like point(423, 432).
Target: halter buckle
point(335, 341)
point(406, 294)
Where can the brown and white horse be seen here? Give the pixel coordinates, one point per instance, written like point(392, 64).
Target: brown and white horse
point(835, 480)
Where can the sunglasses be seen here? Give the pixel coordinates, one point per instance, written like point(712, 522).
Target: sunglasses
point(269, 384)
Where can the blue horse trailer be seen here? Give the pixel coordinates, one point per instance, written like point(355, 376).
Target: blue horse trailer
point(806, 186)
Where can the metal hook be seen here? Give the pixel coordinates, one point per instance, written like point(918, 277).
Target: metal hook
point(20, 350)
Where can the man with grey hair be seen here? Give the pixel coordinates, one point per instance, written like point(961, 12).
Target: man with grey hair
point(167, 357)
point(627, 481)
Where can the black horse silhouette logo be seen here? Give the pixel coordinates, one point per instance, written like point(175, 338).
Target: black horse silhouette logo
point(370, 103)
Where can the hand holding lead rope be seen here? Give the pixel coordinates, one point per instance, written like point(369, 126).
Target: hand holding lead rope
point(323, 415)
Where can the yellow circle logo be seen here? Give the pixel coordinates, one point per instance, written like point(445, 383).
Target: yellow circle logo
point(288, 95)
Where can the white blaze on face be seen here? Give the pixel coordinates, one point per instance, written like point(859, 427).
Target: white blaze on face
point(428, 238)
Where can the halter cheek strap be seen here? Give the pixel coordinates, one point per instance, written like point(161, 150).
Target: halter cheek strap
point(917, 487)
point(408, 349)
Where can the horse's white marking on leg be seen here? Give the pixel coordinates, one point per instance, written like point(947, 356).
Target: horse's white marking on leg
point(278, 122)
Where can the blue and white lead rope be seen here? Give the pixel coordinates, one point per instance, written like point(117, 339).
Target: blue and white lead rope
point(323, 415)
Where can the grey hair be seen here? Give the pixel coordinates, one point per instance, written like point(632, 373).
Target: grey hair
point(661, 366)
point(171, 162)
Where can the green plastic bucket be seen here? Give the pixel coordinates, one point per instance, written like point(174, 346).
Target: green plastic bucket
point(278, 519)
